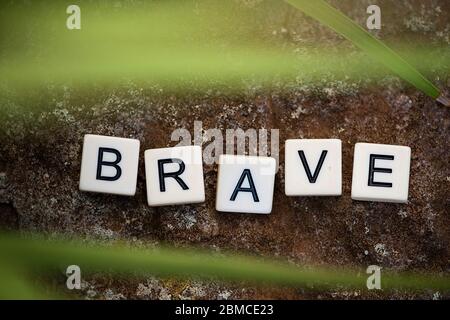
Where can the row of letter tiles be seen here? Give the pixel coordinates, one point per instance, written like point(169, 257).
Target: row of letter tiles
point(313, 167)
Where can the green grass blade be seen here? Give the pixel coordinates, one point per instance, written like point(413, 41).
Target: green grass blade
point(39, 254)
point(333, 18)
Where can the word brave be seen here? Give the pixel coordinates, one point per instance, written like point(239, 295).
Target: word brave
point(313, 167)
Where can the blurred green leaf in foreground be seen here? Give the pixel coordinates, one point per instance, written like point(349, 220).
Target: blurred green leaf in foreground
point(198, 44)
point(22, 257)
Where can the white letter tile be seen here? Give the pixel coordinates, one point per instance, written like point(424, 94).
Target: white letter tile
point(313, 167)
point(381, 172)
point(174, 176)
point(245, 184)
point(109, 165)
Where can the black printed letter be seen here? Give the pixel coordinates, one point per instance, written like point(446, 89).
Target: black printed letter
point(175, 175)
point(101, 163)
point(312, 178)
point(373, 169)
point(252, 189)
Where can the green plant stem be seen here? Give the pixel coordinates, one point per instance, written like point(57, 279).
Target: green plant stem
point(333, 18)
point(39, 254)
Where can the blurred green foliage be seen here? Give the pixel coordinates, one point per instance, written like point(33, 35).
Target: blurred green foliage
point(182, 44)
point(23, 257)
